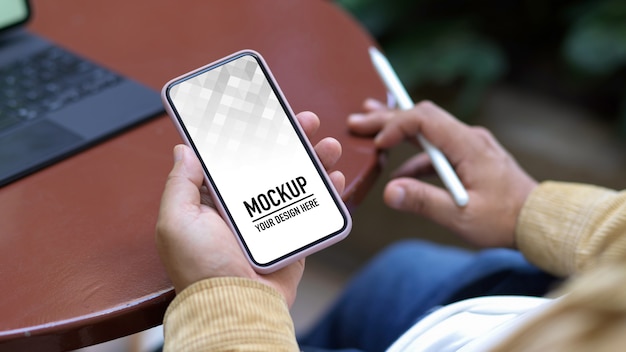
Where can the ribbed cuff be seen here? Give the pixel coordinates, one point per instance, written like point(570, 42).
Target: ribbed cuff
point(554, 220)
point(233, 314)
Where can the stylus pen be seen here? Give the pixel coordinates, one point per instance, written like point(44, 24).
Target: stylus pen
point(442, 166)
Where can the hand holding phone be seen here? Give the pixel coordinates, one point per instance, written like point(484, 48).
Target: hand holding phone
point(263, 174)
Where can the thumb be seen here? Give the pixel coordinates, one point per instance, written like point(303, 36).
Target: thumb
point(184, 181)
point(411, 195)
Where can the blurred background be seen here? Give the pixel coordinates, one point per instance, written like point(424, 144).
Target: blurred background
point(572, 50)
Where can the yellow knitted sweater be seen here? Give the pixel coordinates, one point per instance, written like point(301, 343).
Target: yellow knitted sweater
point(572, 230)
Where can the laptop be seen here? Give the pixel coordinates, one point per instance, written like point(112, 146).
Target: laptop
point(54, 103)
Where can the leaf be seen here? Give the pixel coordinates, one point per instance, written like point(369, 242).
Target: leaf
point(596, 42)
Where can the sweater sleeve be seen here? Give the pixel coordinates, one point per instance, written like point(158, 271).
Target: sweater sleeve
point(229, 314)
point(564, 228)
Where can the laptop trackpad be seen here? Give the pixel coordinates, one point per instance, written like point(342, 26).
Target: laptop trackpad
point(26, 148)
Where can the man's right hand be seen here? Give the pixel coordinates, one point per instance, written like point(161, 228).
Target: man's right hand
point(496, 185)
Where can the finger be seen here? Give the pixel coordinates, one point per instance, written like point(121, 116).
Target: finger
point(370, 123)
point(421, 198)
point(435, 124)
point(328, 150)
point(371, 105)
point(339, 181)
point(417, 166)
point(184, 181)
point(309, 122)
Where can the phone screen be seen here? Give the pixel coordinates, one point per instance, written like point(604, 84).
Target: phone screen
point(256, 160)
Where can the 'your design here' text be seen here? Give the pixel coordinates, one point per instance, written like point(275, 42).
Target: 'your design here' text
point(280, 204)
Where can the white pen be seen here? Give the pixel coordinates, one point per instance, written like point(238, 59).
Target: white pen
point(442, 166)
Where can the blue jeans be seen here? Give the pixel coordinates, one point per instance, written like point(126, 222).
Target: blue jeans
point(407, 281)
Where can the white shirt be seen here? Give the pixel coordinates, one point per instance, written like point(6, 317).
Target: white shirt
point(470, 325)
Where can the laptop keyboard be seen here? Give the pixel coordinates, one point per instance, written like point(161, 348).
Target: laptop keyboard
point(47, 81)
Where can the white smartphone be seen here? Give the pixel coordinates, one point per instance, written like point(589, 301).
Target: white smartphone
point(263, 174)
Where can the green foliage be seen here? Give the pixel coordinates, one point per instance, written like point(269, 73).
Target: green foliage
point(439, 52)
point(446, 55)
point(573, 48)
point(376, 15)
point(596, 42)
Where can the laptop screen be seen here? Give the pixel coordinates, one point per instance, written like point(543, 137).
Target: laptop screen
point(13, 13)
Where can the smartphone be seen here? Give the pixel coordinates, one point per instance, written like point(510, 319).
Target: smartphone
point(263, 174)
